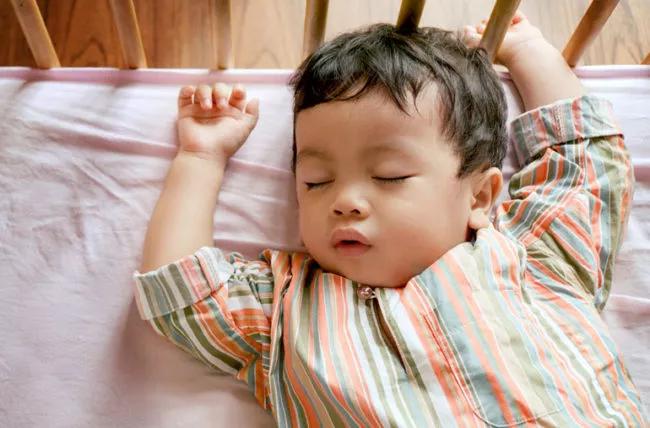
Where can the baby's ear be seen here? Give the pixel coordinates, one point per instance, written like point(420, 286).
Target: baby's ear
point(486, 187)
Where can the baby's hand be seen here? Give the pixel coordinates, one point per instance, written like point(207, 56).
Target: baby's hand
point(213, 122)
point(522, 38)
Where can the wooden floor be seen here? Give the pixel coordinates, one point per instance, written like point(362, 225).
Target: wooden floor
point(268, 33)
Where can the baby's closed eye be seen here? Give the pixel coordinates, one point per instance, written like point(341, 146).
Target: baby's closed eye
point(387, 179)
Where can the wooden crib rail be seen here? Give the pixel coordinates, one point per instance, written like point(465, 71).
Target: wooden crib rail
point(410, 12)
point(129, 33)
point(497, 25)
point(590, 25)
point(225, 58)
point(315, 23)
point(35, 32)
point(124, 16)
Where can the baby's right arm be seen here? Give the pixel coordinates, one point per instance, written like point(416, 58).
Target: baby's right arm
point(215, 307)
point(218, 309)
point(212, 124)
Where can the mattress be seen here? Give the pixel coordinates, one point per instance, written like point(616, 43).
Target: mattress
point(83, 156)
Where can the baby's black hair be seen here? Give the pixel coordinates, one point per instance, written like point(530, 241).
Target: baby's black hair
point(399, 63)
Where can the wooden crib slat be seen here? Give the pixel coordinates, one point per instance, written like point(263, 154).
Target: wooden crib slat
point(36, 33)
point(590, 25)
point(646, 60)
point(410, 13)
point(129, 33)
point(497, 25)
point(315, 23)
point(225, 58)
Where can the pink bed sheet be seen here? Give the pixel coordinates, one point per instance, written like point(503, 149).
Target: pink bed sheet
point(83, 155)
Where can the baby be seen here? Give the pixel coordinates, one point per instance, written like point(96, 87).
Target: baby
point(413, 306)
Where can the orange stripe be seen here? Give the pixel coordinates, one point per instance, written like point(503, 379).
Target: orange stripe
point(445, 346)
point(480, 350)
point(571, 379)
point(295, 382)
point(251, 321)
point(283, 265)
point(407, 298)
point(416, 307)
point(361, 392)
point(578, 389)
point(193, 277)
point(333, 382)
point(559, 301)
point(566, 309)
point(574, 228)
point(594, 220)
point(542, 356)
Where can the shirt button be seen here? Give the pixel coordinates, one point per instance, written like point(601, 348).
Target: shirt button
point(365, 293)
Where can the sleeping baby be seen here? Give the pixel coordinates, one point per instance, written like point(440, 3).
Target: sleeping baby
point(413, 305)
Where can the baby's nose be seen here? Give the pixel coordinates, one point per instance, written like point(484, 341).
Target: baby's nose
point(350, 201)
point(350, 205)
point(343, 212)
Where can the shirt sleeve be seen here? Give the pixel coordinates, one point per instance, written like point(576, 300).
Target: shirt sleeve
point(216, 308)
point(570, 201)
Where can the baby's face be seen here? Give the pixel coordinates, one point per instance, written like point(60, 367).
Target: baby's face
point(377, 191)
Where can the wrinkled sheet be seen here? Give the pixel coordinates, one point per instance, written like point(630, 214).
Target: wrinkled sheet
point(83, 156)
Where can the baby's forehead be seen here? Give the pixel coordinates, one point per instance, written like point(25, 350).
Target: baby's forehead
point(370, 117)
point(376, 140)
point(404, 105)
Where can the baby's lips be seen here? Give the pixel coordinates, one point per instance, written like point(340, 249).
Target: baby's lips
point(348, 234)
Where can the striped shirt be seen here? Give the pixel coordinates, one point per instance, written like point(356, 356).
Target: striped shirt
point(501, 331)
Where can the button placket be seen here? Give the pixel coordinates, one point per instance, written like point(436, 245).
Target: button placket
point(365, 292)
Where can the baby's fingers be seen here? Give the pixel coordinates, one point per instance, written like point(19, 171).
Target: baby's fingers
point(470, 36)
point(519, 16)
point(220, 94)
point(185, 96)
point(203, 95)
point(238, 97)
point(516, 19)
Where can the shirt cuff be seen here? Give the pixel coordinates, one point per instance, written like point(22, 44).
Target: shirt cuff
point(564, 121)
point(182, 283)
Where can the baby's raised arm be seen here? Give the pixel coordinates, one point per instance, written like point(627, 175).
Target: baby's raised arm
point(537, 68)
point(213, 122)
point(570, 200)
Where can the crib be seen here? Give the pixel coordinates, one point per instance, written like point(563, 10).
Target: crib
point(83, 155)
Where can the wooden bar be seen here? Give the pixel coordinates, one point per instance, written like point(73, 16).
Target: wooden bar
point(498, 25)
point(590, 25)
point(129, 33)
point(315, 23)
point(36, 33)
point(410, 13)
point(646, 60)
point(225, 58)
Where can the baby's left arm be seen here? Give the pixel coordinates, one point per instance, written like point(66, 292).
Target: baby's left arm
point(571, 199)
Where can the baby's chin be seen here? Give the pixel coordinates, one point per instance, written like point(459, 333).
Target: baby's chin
point(372, 279)
point(368, 270)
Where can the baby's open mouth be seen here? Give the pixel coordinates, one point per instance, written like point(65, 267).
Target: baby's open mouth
point(348, 247)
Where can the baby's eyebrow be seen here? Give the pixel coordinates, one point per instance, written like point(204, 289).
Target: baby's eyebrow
point(386, 148)
point(312, 153)
point(370, 151)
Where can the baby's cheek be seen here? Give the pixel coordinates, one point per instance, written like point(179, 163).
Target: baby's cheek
point(310, 229)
